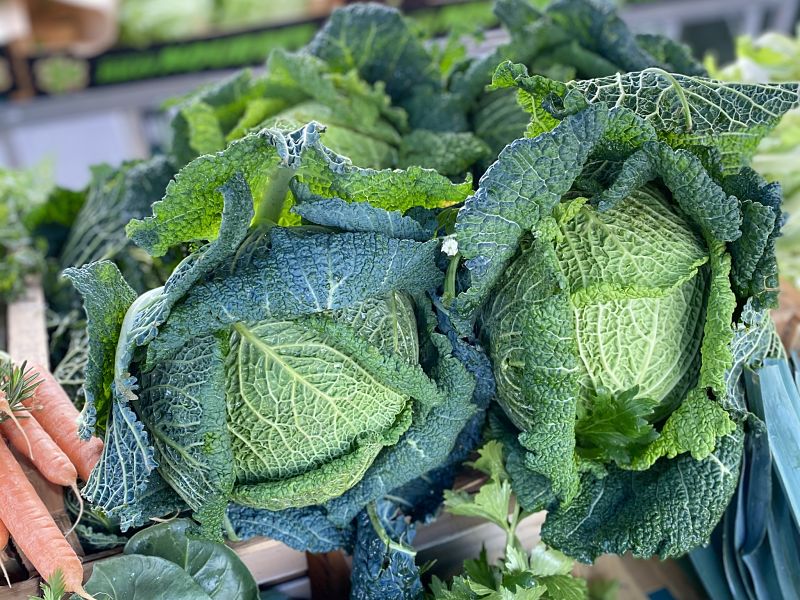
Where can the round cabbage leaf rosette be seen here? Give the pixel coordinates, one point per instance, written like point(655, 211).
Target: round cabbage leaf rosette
point(633, 282)
point(308, 412)
point(278, 367)
point(607, 272)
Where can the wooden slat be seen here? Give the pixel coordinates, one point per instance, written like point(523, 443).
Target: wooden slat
point(642, 579)
point(26, 326)
point(329, 575)
point(270, 561)
point(787, 315)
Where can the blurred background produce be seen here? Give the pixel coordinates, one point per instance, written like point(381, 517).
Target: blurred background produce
point(134, 54)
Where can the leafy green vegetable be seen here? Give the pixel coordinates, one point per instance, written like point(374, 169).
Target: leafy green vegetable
point(751, 550)
point(143, 22)
point(323, 344)
point(215, 567)
point(21, 193)
point(162, 561)
point(269, 161)
point(612, 256)
point(564, 39)
point(151, 577)
point(542, 573)
point(380, 570)
point(279, 366)
point(773, 58)
point(106, 298)
point(380, 45)
point(611, 428)
point(685, 110)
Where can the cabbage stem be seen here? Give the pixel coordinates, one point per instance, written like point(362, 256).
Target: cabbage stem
point(372, 511)
point(450, 279)
point(271, 206)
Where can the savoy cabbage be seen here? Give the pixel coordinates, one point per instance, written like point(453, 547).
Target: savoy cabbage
point(338, 328)
point(609, 257)
point(278, 367)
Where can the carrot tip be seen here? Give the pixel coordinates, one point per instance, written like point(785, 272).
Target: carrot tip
point(5, 574)
point(77, 493)
point(84, 594)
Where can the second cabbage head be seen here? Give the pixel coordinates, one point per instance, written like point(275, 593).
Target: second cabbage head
point(618, 266)
point(622, 297)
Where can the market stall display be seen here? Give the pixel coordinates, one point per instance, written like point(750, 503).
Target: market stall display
point(351, 270)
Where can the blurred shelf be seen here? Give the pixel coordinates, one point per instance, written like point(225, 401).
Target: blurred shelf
point(139, 95)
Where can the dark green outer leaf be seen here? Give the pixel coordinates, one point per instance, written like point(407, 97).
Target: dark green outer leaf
point(597, 27)
point(297, 273)
point(380, 45)
point(362, 216)
point(305, 529)
point(237, 213)
point(541, 395)
point(192, 206)
point(182, 404)
point(142, 578)
point(514, 195)
point(381, 573)
point(533, 491)
point(755, 268)
point(120, 484)
point(688, 111)
point(377, 42)
point(667, 510)
point(106, 298)
point(700, 197)
point(672, 56)
point(123, 475)
point(215, 567)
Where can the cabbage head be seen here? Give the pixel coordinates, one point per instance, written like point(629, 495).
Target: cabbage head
point(634, 281)
point(278, 367)
point(618, 266)
point(308, 414)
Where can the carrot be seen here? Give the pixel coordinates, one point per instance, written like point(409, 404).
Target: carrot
point(3, 544)
point(33, 529)
point(54, 411)
point(45, 455)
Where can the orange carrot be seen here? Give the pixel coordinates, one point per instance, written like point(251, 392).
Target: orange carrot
point(33, 529)
point(45, 455)
point(54, 411)
point(3, 544)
